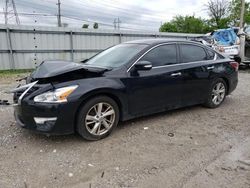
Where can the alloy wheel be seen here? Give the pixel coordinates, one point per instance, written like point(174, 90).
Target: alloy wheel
point(218, 93)
point(100, 118)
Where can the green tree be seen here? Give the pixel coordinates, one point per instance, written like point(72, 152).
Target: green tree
point(85, 26)
point(235, 8)
point(221, 24)
point(95, 26)
point(185, 24)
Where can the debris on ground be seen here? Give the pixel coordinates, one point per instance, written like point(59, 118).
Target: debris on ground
point(102, 174)
point(4, 102)
point(245, 162)
point(209, 173)
point(226, 168)
point(171, 134)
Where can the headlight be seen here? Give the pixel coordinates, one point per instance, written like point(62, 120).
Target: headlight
point(57, 96)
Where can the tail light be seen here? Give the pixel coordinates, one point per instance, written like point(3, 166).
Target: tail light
point(235, 65)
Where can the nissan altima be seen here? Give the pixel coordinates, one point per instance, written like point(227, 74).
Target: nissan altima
point(125, 81)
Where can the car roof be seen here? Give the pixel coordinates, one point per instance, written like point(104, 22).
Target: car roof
point(158, 41)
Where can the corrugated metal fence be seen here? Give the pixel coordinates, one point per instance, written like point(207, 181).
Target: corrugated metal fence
point(25, 47)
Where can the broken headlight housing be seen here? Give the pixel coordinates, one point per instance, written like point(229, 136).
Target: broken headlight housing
point(57, 96)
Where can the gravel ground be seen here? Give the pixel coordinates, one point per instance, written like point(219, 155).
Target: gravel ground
point(191, 147)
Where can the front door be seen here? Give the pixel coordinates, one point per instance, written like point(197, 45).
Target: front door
point(159, 88)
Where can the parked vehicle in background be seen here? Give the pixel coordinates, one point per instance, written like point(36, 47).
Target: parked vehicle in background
point(227, 42)
point(128, 80)
point(247, 46)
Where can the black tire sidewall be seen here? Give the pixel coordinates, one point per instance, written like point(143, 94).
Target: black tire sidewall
point(81, 128)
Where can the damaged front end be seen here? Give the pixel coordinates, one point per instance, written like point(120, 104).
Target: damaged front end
point(54, 72)
point(40, 103)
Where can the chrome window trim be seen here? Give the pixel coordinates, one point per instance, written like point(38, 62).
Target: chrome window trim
point(178, 64)
point(215, 56)
point(166, 43)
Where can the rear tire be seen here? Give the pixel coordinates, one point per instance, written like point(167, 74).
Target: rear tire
point(97, 118)
point(217, 93)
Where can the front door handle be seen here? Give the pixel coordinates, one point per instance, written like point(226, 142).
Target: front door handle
point(210, 68)
point(176, 74)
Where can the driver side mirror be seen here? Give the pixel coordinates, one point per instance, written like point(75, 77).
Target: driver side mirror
point(143, 65)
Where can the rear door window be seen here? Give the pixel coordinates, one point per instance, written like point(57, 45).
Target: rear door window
point(192, 53)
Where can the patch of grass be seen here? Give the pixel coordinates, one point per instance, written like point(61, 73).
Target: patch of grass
point(9, 76)
point(14, 72)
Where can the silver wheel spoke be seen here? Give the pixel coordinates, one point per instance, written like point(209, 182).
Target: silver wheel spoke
point(90, 118)
point(108, 113)
point(107, 109)
point(90, 122)
point(108, 121)
point(215, 98)
point(219, 98)
point(218, 86)
point(99, 108)
point(95, 108)
point(96, 127)
point(99, 129)
point(222, 90)
point(106, 125)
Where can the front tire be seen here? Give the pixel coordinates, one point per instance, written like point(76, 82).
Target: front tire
point(97, 118)
point(217, 93)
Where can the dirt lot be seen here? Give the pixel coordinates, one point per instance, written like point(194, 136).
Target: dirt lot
point(190, 147)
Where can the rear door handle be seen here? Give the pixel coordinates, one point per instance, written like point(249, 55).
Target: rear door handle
point(176, 74)
point(210, 68)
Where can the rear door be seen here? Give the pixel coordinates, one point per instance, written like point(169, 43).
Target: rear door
point(195, 74)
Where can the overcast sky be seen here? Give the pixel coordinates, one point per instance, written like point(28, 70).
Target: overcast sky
point(134, 14)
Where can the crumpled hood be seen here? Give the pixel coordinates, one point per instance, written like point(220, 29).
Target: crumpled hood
point(49, 69)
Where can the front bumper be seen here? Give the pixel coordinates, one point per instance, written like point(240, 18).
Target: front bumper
point(54, 119)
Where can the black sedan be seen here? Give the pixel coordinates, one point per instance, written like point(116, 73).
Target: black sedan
point(125, 81)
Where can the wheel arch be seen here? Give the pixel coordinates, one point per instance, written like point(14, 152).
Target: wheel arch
point(227, 83)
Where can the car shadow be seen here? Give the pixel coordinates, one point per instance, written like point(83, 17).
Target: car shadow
point(158, 115)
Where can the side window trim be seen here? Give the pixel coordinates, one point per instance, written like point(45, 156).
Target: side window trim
point(152, 48)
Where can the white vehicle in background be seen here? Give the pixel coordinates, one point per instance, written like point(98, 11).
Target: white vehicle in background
point(247, 46)
point(229, 51)
point(226, 42)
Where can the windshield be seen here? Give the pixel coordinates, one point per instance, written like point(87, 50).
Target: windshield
point(116, 56)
